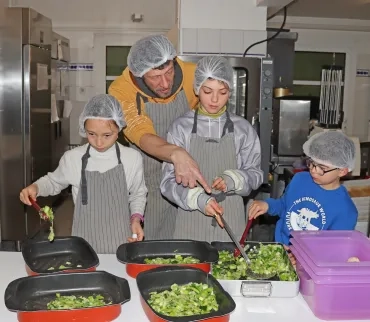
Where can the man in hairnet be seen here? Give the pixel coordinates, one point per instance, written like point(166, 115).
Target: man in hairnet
point(315, 200)
point(228, 152)
point(107, 179)
point(154, 90)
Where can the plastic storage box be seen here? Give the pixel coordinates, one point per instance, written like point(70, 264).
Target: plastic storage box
point(333, 288)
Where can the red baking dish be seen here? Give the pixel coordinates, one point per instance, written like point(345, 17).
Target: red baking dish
point(133, 254)
point(41, 255)
point(28, 296)
point(162, 278)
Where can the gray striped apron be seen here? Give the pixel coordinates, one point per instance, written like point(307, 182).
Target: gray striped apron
point(160, 214)
point(102, 214)
point(213, 156)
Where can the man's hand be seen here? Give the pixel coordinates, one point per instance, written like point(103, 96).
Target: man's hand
point(187, 171)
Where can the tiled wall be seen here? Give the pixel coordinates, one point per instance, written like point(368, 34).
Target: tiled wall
point(81, 74)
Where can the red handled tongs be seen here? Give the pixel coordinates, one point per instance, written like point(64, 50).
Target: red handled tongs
point(244, 237)
point(39, 210)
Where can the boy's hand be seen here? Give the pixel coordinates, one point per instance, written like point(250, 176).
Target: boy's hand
point(29, 192)
point(291, 256)
point(213, 209)
point(219, 184)
point(257, 208)
point(137, 231)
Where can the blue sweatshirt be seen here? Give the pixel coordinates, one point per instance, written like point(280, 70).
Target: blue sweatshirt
point(305, 205)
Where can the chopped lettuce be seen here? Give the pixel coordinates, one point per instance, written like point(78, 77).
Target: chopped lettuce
point(76, 302)
point(177, 259)
point(265, 259)
point(184, 300)
point(50, 214)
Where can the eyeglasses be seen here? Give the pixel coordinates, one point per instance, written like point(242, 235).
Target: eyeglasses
point(319, 170)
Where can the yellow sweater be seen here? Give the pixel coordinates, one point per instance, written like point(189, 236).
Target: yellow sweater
point(125, 90)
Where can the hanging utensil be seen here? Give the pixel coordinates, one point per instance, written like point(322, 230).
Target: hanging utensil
point(244, 237)
point(42, 214)
point(249, 272)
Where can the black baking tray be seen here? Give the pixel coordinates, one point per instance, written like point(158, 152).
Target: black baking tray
point(40, 255)
point(33, 293)
point(230, 246)
point(161, 279)
point(137, 252)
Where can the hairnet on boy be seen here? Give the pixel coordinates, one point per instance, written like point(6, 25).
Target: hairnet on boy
point(215, 67)
point(148, 53)
point(331, 148)
point(102, 107)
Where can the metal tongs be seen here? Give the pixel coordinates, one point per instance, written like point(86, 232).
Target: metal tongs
point(42, 213)
point(250, 273)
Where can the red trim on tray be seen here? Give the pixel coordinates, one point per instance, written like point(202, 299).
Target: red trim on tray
point(134, 269)
point(153, 317)
point(98, 314)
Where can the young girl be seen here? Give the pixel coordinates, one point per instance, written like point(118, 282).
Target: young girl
point(227, 149)
point(107, 180)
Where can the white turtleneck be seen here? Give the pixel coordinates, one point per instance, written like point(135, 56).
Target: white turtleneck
point(69, 173)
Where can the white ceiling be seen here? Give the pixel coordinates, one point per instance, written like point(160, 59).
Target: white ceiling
point(346, 9)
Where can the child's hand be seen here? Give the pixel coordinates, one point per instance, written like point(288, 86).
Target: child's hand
point(137, 230)
point(219, 184)
point(29, 192)
point(291, 256)
point(213, 209)
point(257, 208)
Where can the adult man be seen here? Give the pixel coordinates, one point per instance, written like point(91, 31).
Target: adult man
point(154, 90)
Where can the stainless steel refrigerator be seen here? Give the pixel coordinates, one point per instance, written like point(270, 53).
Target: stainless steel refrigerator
point(25, 114)
point(60, 57)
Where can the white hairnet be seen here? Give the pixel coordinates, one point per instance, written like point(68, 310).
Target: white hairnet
point(103, 107)
point(148, 53)
point(331, 148)
point(215, 67)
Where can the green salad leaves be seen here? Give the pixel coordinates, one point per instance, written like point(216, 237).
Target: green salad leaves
point(265, 259)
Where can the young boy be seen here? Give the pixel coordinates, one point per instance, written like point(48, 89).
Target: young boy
point(227, 150)
point(315, 200)
point(107, 180)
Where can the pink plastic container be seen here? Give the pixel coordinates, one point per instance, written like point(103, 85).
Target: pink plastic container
point(330, 249)
point(338, 267)
point(337, 292)
point(334, 297)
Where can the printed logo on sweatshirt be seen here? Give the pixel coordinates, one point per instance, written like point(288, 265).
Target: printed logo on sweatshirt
point(299, 216)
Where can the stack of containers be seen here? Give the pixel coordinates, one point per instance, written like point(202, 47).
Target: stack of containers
point(334, 288)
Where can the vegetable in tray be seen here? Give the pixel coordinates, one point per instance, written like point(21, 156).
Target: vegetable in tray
point(184, 300)
point(76, 302)
point(177, 259)
point(265, 259)
point(50, 214)
point(67, 265)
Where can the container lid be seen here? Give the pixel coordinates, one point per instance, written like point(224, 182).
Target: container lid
point(351, 269)
point(333, 249)
point(303, 268)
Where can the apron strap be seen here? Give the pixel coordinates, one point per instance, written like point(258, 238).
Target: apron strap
point(195, 122)
point(118, 151)
point(139, 96)
point(85, 158)
point(229, 125)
